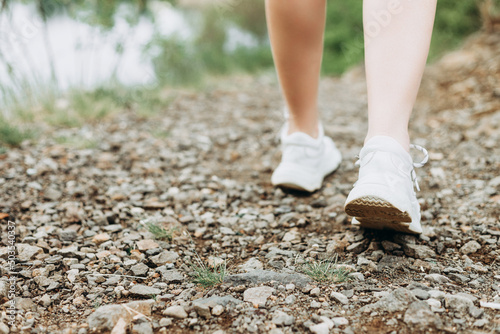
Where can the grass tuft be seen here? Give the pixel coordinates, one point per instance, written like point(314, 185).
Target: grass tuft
point(326, 271)
point(76, 142)
point(159, 232)
point(12, 135)
point(208, 277)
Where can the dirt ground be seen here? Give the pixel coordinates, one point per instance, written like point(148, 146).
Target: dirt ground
point(202, 169)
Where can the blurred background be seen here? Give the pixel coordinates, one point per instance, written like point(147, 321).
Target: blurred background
point(68, 62)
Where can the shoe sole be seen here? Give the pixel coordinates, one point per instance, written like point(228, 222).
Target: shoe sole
point(292, 186)
point(289, 180)
point(291, 183)
point(376, 213)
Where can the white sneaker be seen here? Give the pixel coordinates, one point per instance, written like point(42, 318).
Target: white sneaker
point(305, 160)
point(383, 197)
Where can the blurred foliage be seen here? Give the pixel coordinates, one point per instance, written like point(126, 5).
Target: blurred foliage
point(343, 36)
point(454, 21)
point(183, 64)
point(344, 31)
point(11, 134)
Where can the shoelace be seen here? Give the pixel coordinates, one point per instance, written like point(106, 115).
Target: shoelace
point(415, 164)
point(418, 164)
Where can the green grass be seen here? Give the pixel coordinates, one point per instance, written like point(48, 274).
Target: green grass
point(12, 135)
point(326, 271)
point(207, 276)
point(158, 231)
point(344, 47)
point(76, 142)
point(77, 107)
point(187, 62)
point(80, 106)
point(160, 133)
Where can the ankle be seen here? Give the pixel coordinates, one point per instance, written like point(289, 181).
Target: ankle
point(309, 129)
point(401, 138)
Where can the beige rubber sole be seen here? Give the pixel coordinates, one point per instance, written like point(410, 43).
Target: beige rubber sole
point(375, 213)
point(292, 186)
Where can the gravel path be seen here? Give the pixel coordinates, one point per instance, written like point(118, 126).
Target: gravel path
point(86, 261)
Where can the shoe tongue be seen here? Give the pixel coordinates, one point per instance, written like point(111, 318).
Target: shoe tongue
point(384, 144)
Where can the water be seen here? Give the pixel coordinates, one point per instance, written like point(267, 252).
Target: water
point(85, 55)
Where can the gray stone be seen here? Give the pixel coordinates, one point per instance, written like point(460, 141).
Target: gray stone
point(45, 300)
point(290, 300)
point(106, 317)
point(315, 304)
point(358, 276)
point(480, 323)
point(340, 321)
point(68, 235)
point(418, 251)
point(390, 246)
point(491, 305)
point(420, 316)
point(72, 275)
point(52, 194)
point(176, 311)
point(113, 280)
point(142, 327)
point(396, 301)
point(165, 322)
point(280, 318)
point(272, 331)
point(171, 276)
point(68, 252)
point(437, 278)
point(4, 288)
point(140, 269)
point(275, 251)
point(470, 247)
point(43, 281)
point(315, 292)
point(25, 304)
point(323, 327)
point(164, 257)
point(459, 278)
point(476, 312)
point(144, 291)
point(266, 276)
point(457, 303)
point(251, 264)
point(216, 300)
point(357, 247)
point(226, 230)
point(258, 295)
point(420, 294)
point(218, 310)
point(338, 297)
point(26, 252)
point(202, 310)
point(433, 303)
point(4, 329)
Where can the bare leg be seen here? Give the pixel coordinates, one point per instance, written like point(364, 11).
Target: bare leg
point(296, 29)
point(397, 38)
